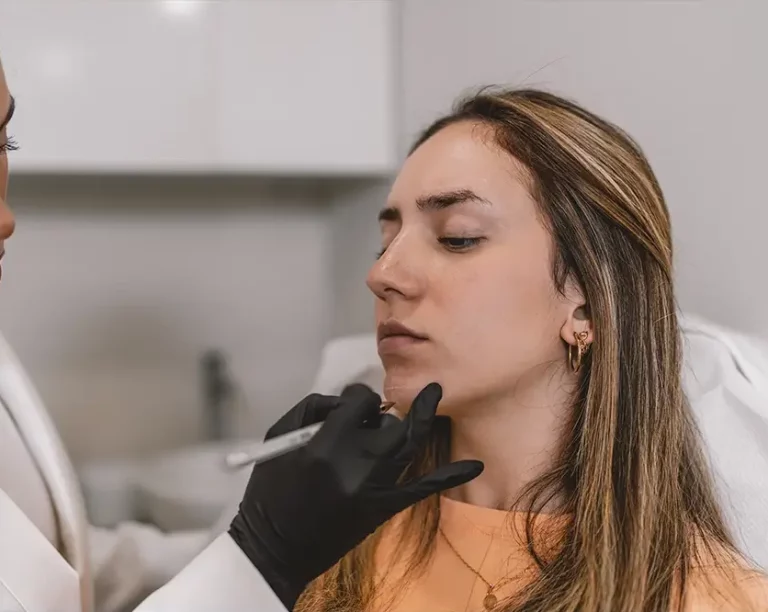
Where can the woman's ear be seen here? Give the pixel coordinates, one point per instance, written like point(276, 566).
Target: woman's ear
point(578, 317)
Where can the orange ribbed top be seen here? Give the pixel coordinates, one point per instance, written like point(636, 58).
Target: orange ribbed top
point(493, 543)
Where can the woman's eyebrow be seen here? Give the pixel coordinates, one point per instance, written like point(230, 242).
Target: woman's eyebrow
point(435, 202)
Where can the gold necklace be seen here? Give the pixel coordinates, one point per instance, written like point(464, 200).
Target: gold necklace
point(490, 600)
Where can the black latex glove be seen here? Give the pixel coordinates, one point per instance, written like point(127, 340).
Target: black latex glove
point(304, 511)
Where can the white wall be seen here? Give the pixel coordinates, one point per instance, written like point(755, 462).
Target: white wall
point(687, 78)
point(112, 289)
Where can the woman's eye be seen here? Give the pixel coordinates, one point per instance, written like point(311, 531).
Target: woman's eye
point(459, 244)
point(452, 243)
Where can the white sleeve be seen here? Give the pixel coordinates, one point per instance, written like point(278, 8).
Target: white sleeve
point(34, 577)
point(219, 578)
point(8, 601)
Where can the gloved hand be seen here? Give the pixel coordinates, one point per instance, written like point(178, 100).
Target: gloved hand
point(304, 511)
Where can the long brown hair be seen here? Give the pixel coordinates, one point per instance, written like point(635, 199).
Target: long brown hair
point(631, 473)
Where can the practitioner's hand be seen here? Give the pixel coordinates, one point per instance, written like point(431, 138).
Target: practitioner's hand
point(304, 511)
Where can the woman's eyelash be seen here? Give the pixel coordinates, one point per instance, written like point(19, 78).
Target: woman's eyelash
point(450, 242)
point(458, 244)
point(9, 145)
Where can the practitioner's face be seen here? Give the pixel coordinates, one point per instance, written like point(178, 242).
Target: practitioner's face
point(6, 108)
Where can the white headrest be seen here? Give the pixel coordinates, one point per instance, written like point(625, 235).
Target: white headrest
point(347, 360)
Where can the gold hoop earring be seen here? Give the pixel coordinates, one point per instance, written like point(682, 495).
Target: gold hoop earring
point(576, 353)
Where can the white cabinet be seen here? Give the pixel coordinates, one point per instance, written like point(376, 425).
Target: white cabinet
point(305, 84)
point(107, 86)
point(158, 86)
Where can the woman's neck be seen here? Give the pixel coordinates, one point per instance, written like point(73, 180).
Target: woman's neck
point(516, 438)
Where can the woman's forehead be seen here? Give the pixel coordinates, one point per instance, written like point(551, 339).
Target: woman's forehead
point(462, 156)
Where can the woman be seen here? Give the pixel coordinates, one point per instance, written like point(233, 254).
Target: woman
point(527, 267)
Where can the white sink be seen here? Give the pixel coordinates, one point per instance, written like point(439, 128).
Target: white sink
point(109, 491)
point(190, 488)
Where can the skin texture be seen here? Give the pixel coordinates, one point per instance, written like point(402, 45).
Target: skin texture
point(497, 329)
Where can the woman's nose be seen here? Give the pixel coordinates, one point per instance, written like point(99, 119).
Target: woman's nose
point(395, 273)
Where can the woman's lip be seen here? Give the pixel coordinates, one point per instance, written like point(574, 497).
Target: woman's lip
point(396, 343)
point(392, 327)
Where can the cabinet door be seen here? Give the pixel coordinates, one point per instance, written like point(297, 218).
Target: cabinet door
point(109, 86)
point(305, 86)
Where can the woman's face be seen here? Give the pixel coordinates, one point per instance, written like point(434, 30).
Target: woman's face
point(467, 265)
point(6, 218)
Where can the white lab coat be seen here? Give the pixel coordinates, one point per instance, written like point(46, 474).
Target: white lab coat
point(44, 564)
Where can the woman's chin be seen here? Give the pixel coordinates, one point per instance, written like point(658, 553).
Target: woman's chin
point(403, 390)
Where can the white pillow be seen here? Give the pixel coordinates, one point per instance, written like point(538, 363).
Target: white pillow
point(726, 379)
point(346, 360)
